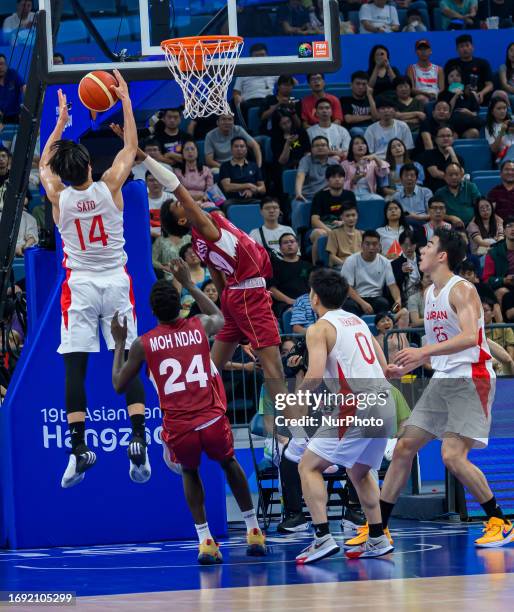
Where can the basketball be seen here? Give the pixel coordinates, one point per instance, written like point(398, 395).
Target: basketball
point(96, 91)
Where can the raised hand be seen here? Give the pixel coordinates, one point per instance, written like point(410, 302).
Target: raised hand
point(121, 90)
point(63, 107)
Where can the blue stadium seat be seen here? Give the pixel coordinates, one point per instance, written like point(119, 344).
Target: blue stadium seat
point(265, 144)
point(478, 173)
point(437, 18)
point(91, 6)
point(300, 214)
point(486, 183)
point(288, 182)
point(114, 28)
point(475, 152)
point(254, 119)
point(322, 250)
point(371, 214)
point(201, 151)
point(131, 6)
point(339, 89)
point(286, 321)
point(245, 216)
point(72, 32)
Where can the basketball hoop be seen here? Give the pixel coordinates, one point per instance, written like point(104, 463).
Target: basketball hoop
point(203, 66)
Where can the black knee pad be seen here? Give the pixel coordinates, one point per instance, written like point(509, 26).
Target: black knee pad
point(75, 365)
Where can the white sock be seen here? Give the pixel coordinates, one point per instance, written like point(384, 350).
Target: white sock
point(250, 518)
point(203, 532)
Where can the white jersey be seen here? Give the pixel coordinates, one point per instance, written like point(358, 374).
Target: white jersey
point(426, 79)
point(91, 228)
point(442, 323)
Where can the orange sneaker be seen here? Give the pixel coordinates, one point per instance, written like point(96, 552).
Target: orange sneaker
point(209, 552)
point(362, 537)
point(497, 532)
point(256, 541)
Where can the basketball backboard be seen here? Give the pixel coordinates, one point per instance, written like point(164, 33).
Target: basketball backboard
point(131, 31)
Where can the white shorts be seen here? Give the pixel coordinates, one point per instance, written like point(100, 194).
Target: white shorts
point(89, 301)
point(346, 452)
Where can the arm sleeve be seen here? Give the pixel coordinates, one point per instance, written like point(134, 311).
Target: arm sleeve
point(162, 174)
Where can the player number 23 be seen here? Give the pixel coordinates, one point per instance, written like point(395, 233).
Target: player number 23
point(96, 233)
point(195, 373)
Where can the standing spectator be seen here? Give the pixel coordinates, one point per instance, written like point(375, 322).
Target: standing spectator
point(499, 130)
point(11, 92)
point(475, 71)
point(459, 195)
point(250, 92)
point(485, 229)
point(464, 104)
point(171, 138)
point(380, 72)
point(22, 19)
point(441, 117)
point(362, 170)
point(152, 148)
point(379, 134)
point(397, 156)
point(289, 143)
point(28, 234)
point(413, 197)
point(460, 12)
point(283, 102)
point(327, 206)
point(408, 108)
point(168, 245)
point(436, 216)
point(346, 239)
point(368, 273)
point(436, 160)
point(394, 224)
point(218, 142)
point(378, 17)
point(427, 79)
point(357, 107)
point(502, 195)
point(506, 72)
point(241, 179)
point(499, 270)
point(197, 179)
point(156, 198)
point(290, 274)
point(316, 82)
point(268, 234)
point(294, 18)
point(337, 136)
point(302, 316)
point(312, 169)
point(405, 267)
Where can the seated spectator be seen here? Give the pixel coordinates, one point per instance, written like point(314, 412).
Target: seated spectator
point(499, 130)
point(397, 156)
point(11, 92)
point(362, 170)
point(385, 322)
point(312, 169)
point(416, 302)
point(295, 18)
point(282, 103)
point(459, 195)
point(408, 108)
point(380, 72)
point(357, 107)
point(171, 138)
point(441, 117)
point(28, 234)
point(394, 225)
point(58, 59)
point(337, 136)
point(200, 127)
point(468, 271)
point(405, 267)
point(464, 104)
point(427, 79)
point(167, 246)
point(252, 91)
point(5, 165)
point(152, 148)
point(289, 143)
point(218, 142)
point(156, 198)
point(379, 134)
point(502, 336)
point(413, 197)
point(499, 270)
point(475, 70)
point(378, 17)
point(327, 205)
point(290, 275)
point(458, 14)
point(197, 179)
point(485, 229)
point(414, 21)
point(506, 72)
point(268, 234)
point(368, 273)
point(22, 19)
point(436, 160)
point(346, 239)
point(209, 288)
point(199, 274)
point(436, 216)
point(240, 179)
point(502, 195)
point(303, 316)
point(316, 82)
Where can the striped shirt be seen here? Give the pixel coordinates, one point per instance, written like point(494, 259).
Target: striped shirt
point(302, 312)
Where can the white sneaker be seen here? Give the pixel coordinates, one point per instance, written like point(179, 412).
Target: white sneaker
point(319, 549)
point(138, 471)
point(77, 465)
point(373, 547)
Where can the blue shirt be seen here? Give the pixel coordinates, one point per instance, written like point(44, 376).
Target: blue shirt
point(302, 313)
point(11, 93)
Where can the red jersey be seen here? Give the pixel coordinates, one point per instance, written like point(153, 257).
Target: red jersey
point(190, 388)
point(235, 254)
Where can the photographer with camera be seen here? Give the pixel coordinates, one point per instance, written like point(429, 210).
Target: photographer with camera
point(281, 102)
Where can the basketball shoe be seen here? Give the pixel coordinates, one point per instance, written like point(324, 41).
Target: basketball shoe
point(80, 460)
point(139, 470)
point(318, 549)
point(353, 518)
point(362, 536)
point(497, 532)
point(372, 547)
point(256, 543)
point(293, 523)
point(209, 552)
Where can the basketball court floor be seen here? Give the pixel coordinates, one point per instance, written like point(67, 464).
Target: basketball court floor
point(433, 565)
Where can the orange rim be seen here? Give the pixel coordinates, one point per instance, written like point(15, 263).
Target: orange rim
point(196, 46)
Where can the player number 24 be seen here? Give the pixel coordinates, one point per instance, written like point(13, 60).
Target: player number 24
point(96, 232)
point(195, 373)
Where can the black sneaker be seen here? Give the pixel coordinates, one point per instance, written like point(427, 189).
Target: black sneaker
point(353, 518)
point(293, 523)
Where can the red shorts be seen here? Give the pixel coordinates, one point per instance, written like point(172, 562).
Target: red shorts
point(248, 315)
point(186, 448)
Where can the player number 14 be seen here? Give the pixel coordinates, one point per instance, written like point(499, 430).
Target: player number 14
point(96, 232)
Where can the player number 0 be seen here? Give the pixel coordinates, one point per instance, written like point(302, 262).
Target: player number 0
point(365, 348)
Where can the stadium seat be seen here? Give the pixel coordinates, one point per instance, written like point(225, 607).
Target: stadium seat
point(339, 89)
point(72, 32)
point(437, 18)
point(486, 183)
point(265, 144)
point(254, 120)
point(288, 182)
point(113, 28)
point(476, 154)
point(371, 214)
point(286, 321)
point(245, 216)
point(300, 214)
point(91, 7)
point(201, 151)
point(322, 250)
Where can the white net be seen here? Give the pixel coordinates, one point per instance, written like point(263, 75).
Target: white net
point(203, 68)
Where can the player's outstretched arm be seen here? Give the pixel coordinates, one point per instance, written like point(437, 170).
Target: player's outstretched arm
point(124, 372)
point(212, 318)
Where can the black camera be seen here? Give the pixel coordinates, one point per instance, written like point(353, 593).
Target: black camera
point(298, 350)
